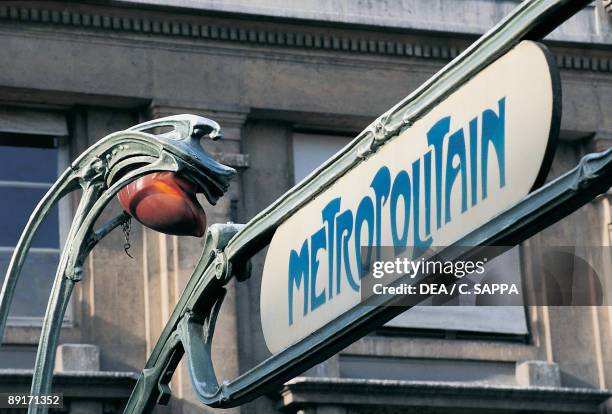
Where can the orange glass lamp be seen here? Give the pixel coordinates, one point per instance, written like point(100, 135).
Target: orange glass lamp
point(165, 202)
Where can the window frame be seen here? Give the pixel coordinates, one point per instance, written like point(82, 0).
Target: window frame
point(65, 213)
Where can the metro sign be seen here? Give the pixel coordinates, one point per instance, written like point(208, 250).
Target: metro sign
point(452, 164)
point(476, 154)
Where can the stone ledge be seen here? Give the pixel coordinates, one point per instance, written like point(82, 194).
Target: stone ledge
point(80, 384)
point(438, 397)
point(77, 357)
point(538, 373)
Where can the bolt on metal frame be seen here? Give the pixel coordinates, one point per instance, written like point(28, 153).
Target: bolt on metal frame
point(229, 247)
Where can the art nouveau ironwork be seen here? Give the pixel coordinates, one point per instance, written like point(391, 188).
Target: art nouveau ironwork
point(123, 157)
point(100, 173)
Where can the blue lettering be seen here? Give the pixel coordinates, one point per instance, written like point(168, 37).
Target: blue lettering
point(381, 185)
point(456, 150)
point(401, 187)
point(365, 214)
point(317, 242)
point(298, 272)
point(474, 160)
point(435, 138)
point(427, 161)
point(493, 126)
point(342, 230)
point(344, 224)
point(329, 213)
point(419, 245)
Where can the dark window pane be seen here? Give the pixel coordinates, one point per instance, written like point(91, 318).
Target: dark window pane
point(17, 357)
point(16, 205)
point(28, 164)
point(485, 319)
point(34, 287)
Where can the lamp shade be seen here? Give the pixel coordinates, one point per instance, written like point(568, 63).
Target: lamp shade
point(166, 203)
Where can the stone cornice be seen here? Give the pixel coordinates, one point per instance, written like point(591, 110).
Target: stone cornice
point(448, 396)
point(85, 384)
point(255, 34)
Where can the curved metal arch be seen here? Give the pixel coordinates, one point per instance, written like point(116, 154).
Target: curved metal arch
point(190, 329)
point(66, 184)
point(101, 172)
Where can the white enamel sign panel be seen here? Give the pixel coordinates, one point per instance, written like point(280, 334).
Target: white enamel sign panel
point(474, 155)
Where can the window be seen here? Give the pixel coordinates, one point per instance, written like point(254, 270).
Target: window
point(510, 320)
point(29, 165)
point(311, 150)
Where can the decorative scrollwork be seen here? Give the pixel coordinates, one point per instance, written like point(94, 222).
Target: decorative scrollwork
point(101, 172)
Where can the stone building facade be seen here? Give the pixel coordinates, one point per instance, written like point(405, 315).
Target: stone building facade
point(290, 82)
